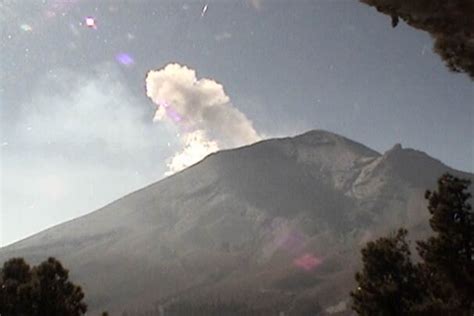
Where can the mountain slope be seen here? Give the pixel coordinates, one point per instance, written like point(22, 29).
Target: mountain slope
point(240, 222)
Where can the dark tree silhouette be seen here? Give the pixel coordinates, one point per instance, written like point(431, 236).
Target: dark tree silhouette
point(448, 256)
point(450, 23)
point(387, 284)
point(15, 287)
point(42, 290)
point(443, 282)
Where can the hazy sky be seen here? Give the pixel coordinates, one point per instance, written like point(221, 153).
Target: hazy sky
point(84, 121)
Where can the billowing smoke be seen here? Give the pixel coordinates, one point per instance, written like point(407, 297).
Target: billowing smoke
point(196, 146)
point(202, 111)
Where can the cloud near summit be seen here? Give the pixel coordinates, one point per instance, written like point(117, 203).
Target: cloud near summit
point(201, 110)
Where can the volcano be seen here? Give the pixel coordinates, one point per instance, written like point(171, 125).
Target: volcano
point(274, 224)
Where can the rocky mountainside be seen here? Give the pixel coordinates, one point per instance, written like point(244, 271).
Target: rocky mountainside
point(276, 223)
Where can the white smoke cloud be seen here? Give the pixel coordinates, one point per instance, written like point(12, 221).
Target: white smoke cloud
point(196, 146)
point(202, 111)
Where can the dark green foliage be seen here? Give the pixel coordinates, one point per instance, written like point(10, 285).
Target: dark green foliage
point(42, 290)
point(443, 282)
point(450, 23)
point(15, 287)
point(387, 284)
point(448, 256)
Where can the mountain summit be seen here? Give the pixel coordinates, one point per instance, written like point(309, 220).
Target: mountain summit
point(277, 222)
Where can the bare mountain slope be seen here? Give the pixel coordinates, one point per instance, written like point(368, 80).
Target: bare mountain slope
point(243, 223)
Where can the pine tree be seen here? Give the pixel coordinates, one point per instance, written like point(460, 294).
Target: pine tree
point(448, 256)
point(443, 282)
point(38, 291)
point(387, 284)
point(15, 287)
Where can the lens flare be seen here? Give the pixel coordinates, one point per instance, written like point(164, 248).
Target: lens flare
point(307, 262)
point(124, 59)
point(170, 112)
point(90, 22)
point(26, 27)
